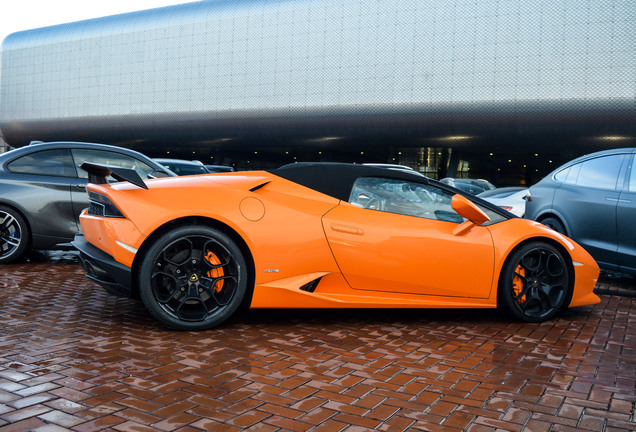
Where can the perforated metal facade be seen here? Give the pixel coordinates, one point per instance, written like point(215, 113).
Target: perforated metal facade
point(266, 73)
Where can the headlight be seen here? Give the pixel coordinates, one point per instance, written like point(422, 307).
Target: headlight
point(101, 205)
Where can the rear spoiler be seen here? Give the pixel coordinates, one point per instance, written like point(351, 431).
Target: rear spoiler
point(97, 174)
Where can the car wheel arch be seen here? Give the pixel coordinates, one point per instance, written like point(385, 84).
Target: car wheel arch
point(562, 249)
point(21, 212)
point(191, 221)
point(24, 216)
point(556, 216)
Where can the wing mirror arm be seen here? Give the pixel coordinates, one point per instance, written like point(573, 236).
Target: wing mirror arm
point(468, 210)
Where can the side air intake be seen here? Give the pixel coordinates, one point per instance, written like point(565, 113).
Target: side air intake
point(311, 286)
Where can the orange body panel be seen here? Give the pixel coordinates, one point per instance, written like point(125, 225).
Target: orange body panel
point(284, 241)
point(356, 257)
point(119, 238)
point(417, 255)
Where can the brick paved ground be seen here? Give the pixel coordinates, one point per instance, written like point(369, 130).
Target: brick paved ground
point(74, 358)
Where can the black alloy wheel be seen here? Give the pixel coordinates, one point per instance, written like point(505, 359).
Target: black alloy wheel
point(193, 278)
point(14, 235)
point(535, 282)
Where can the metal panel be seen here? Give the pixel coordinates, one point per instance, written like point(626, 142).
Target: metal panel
point(215, 69)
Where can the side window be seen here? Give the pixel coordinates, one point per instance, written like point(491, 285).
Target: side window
point(562, 175)
point(46, 162)
point(600, 173)
point(573, 174)
point(403, 197)
point(109, 158)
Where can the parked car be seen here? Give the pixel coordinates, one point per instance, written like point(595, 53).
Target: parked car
point(42, 191)
point(322, 235)
point(219, 168)
point(473, 186)
point(183, 167)
point(512, 199)
point(592, 199)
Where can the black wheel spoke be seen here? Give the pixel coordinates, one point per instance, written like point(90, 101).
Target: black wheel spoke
point(224, 295)
point(521, 294)
point(552, 294)
point(192, 298)
point(11, 241)
point(168, 290)
point(210, 283)
point(179, 253)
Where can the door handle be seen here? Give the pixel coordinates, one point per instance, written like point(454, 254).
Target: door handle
point(347, 229)
point(617, 200)
point(81, 186)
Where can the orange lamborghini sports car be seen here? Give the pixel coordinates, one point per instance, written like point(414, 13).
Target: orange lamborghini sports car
point(320, 235)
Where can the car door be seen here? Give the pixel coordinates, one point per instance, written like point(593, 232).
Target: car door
point(397, 236)
point(588, 205)
point(41, 187)
point(626, 221)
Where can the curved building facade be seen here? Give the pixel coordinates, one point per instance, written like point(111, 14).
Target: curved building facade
point(436, 84)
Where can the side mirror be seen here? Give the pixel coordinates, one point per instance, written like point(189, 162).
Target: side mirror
point(468, 210)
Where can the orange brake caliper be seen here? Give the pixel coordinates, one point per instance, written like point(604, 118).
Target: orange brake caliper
point(217, 272)
point(517, 283)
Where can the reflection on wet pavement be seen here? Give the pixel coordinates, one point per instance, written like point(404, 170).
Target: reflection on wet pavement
point(74, 358)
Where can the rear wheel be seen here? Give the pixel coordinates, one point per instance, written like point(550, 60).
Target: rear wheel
point(193, 278)
point(555, 224)
point(14, 235)
point(534, 282)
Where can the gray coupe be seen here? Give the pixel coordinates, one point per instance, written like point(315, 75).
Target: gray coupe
point(42, 191)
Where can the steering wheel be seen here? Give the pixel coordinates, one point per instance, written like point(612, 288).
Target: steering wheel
point(369, 201)
point(373, 204)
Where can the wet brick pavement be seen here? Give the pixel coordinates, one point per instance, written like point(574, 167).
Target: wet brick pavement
point(74, 358)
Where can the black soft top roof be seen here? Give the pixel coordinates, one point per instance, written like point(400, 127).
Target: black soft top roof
point(336, 179)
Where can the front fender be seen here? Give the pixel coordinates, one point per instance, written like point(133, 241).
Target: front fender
point(585, 269)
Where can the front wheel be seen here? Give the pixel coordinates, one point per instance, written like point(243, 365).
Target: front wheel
point(14, 235)
point(555, 224)
point(534, 282)
point(193, 278)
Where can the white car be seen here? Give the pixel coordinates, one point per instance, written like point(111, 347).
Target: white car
point(472, 186)
point(512, 199)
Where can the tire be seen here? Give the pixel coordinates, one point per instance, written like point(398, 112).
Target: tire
point(555, 224)
point(14, 235)
point(534, 283)
point(193, 278)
